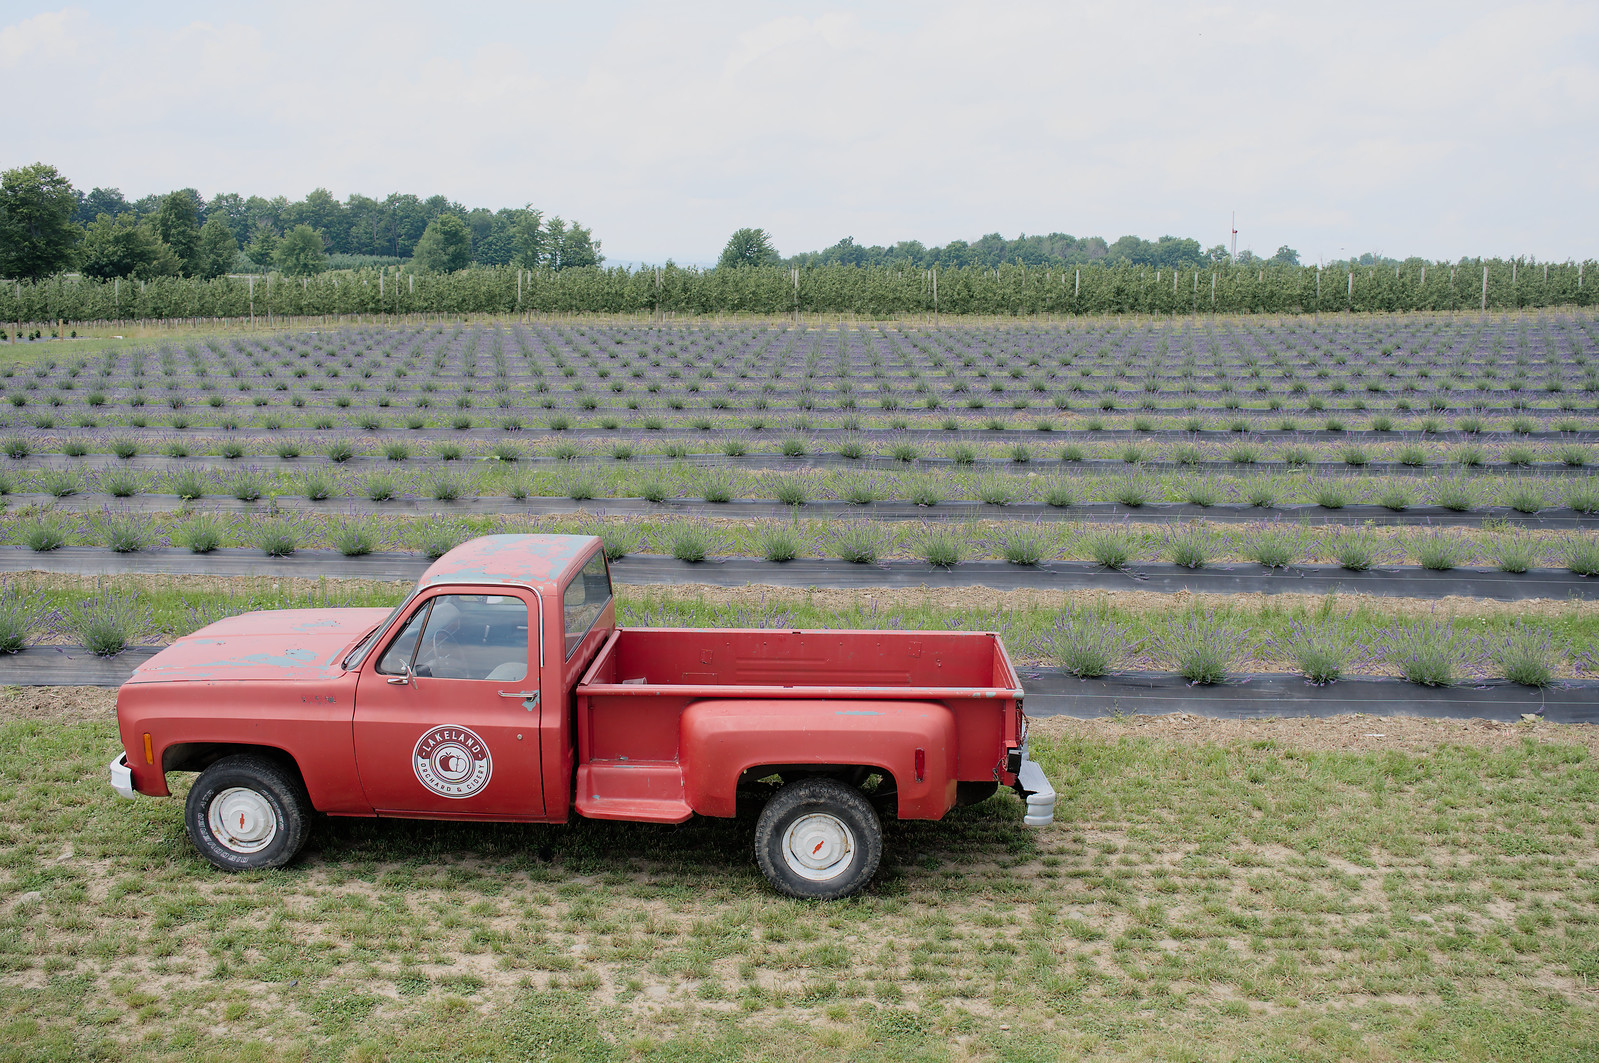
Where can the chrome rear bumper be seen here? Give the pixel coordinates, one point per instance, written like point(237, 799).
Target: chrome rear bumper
point(1034, 787)
point(122, 776)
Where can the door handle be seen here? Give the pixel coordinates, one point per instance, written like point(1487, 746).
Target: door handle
point(399, 680)
point(532, 697)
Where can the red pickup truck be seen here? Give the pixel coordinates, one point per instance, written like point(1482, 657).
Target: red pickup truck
point(502, 689)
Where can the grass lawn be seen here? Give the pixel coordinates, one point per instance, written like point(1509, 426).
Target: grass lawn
point(1289, 890)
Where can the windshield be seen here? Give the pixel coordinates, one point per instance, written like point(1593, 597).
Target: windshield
point(355, 656)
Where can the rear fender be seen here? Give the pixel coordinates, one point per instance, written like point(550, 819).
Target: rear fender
point(722, 739)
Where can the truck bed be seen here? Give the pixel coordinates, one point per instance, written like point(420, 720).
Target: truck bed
point(630, 705)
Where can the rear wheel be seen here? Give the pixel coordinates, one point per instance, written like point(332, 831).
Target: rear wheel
point(818, 838)
point(246, 812)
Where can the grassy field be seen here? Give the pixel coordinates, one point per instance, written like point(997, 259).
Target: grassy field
point(1353, 889)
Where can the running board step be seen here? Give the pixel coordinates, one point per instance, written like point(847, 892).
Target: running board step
point(647, 791)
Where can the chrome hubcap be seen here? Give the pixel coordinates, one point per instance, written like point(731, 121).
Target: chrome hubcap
point(818, 846)
point(242, 820)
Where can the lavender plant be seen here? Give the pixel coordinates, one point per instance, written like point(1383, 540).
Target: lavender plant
point(1202, 647)
point(106, 622)
point(1428, 652)
point(779, 543)
point(1582, 554)
point(1322, 650)
point(42, 532)
point(22, 614)
point(353, 537)
point(1026, 544)
point(1086, 643)
point(941, 545)
point(689, 543)
point(859, 542)
point(202, 533)
point(1438, 551)
point(436, 537)
point(1108, 548)
point(125, 533)
point(277, 538)
point(1523, 655)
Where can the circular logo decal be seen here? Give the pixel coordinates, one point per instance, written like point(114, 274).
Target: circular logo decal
point(452, 762)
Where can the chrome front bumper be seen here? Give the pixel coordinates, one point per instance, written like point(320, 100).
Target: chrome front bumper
point(1033, 786)
point(122, 777)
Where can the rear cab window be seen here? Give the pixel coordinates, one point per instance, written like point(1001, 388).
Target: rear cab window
point(584, 599)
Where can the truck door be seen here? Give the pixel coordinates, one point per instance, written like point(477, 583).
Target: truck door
point(446, 712)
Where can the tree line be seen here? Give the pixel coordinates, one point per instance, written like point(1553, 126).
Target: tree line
point(776, 290)
point(47, 226)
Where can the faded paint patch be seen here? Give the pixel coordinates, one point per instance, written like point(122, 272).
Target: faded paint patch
point(517, 559)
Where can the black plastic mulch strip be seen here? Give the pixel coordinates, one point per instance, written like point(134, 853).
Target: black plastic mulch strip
point(1050, 693)
point(1046, 463)
point(305, 564)
point(1082, 575)
point(644, 569)
point(71, 666)
point(1258, 697)
point(752, 509)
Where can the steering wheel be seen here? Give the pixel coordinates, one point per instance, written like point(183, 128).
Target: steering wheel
point(444, 654)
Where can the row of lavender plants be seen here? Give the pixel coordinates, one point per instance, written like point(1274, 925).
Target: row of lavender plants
point(905, 449)
point(280, 533)
point(1202, 647)
point(1000, 486)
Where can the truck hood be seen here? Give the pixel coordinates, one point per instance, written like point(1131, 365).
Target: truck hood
point(278, 645)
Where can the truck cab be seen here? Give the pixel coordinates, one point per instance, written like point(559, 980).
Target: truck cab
point(502, 689)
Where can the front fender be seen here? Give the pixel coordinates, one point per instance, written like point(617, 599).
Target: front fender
point(721, 739)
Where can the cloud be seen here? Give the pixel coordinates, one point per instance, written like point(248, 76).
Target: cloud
point(1432, 128)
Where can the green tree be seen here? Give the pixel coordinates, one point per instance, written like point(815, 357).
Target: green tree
point(1286, 256)
point(100, 201)
point(118, 247)
point(570, 248)
point(748, 247)
point(217, 249)
point(301, 252)
point(263, 247)
point(527, 236)
point(445, 247)
point(163, 261)
point(37, 233)
point(178, 225)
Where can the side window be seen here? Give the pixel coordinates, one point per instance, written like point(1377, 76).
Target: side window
point(583, 600)
point(464, 636)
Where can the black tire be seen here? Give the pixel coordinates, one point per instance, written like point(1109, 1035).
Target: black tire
point(270, 801)
point(847, 837)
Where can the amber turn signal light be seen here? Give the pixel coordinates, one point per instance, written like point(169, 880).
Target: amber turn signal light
point(149, 750)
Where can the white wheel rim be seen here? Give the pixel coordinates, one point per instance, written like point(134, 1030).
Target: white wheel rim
point(818, 847)
point(242, 820)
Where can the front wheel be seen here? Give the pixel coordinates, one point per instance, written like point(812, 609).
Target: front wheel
point(247, 812)
point(818, 838)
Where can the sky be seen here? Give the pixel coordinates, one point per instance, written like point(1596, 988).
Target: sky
point(1414, 128)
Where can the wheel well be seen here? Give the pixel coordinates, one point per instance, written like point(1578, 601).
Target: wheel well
point(198, 756)
point(876, 783)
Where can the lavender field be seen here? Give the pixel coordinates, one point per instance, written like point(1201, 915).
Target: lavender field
point(1410, 444)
